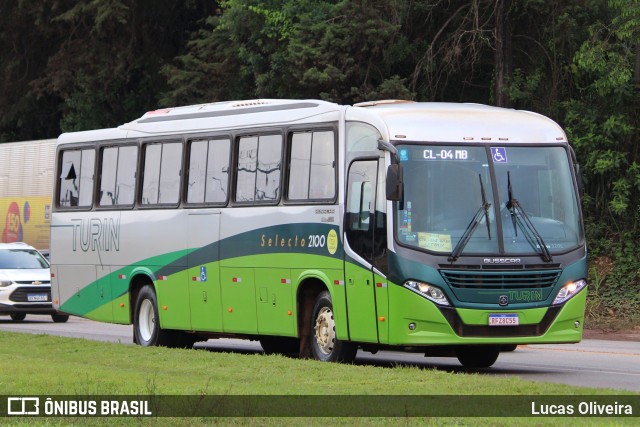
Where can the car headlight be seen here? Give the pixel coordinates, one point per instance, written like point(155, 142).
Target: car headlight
point(5, 283)
point(430, 292)
point(569, 290)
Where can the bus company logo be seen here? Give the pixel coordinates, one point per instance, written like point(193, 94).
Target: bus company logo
point(502, 261)
point(503, 300)
point(96, 234)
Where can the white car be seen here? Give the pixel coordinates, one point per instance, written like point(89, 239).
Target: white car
point(25, 283)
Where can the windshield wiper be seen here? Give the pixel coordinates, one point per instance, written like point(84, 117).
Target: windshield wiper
point(484, 209)
point(520, 217)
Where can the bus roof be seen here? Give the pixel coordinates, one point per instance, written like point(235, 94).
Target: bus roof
point(234, 114)
point(452, 122)
point(397, 120)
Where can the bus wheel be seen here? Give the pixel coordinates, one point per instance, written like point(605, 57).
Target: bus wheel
point(146, 324)
point(59, 318)
point(280, 345)
point(324, 344)
point(18, 317)
point(478, 356)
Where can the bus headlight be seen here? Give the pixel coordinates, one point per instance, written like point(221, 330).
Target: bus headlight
point(569, 290)
point(430, 292)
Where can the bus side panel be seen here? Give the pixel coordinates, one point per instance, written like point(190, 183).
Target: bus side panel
point(275, 304)
point(361, 303)
point(203, 228)
point(382, 307)
point(173, 299)
point(238, 300)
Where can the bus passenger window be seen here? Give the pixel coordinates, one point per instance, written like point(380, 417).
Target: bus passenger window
point(208, 171)
point(108, 177)
point(218, 171)
point(259, 160)
point(312, 166)
point(118, 175)
point(69, 182)
point(162, 165)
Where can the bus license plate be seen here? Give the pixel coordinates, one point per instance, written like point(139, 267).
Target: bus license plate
point(507, 319)
point(37, 297)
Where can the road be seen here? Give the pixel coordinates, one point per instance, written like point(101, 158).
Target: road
point(591, 363)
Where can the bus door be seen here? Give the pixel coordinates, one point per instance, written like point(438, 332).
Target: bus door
point(366, 286)
point(204, 271)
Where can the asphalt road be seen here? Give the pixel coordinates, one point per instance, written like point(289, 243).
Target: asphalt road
point(591, 363)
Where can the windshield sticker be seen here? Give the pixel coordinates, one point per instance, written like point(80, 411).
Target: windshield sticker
point(499, 154)
point(435, 242)
point(404, 155)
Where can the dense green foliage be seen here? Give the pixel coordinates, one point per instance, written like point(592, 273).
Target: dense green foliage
point(72, 65)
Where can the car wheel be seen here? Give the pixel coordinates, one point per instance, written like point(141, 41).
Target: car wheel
point(60, 318)
point(18, 317)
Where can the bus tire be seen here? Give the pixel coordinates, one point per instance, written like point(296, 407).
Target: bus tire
point(59, 318)
point(146, 323)
point(280, 345)
point(325, 346)
point(478, 356)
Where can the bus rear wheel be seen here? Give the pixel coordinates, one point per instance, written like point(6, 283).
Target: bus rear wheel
point(478, 356)
point(325, 346)
point(146, 323)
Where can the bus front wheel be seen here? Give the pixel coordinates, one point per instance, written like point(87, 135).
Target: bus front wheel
point(325, 346)
point(478, 356)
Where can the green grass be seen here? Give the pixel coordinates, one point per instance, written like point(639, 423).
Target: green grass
point(48, 365)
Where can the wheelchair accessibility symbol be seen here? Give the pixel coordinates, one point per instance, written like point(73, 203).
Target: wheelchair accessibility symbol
point(499, 154)
point(203, 274)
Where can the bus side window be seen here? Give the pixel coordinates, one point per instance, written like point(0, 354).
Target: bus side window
point(312, 173)
point(208, 171)
point(118, 175)
point(108, 176)
point(259, 162)
point(161, 178)
point(69, 187)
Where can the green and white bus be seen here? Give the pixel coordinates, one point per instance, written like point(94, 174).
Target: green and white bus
point(318, 229)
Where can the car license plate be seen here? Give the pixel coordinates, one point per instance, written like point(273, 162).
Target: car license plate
point(37, 297)
point(506, 319)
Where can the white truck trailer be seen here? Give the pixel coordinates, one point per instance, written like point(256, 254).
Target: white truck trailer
point(26, 185)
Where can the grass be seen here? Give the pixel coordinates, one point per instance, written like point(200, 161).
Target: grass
point(48, 365)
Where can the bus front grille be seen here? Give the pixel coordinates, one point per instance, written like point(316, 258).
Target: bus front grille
point(462, 279)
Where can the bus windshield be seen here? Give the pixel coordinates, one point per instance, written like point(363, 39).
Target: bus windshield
point(457, 198)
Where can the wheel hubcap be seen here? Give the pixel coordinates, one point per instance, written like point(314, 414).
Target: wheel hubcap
point(325, 330)
point(146, 320)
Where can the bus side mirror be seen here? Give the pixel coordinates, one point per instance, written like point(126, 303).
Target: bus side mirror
point(395, 183)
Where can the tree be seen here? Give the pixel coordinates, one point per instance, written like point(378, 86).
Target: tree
point(604, 118)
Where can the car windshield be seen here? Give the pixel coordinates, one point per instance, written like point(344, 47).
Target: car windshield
point(21, 259)
point(451, 205)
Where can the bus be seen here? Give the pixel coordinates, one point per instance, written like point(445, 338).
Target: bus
point(320, 229)
point(26, 183)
